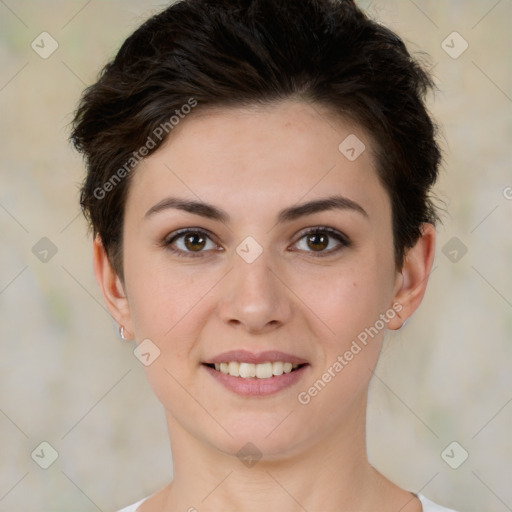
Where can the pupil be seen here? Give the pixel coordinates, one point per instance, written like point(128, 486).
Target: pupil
point(318, 241)
point(195, 241)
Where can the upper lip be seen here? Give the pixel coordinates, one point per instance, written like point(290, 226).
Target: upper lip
point(244, 356)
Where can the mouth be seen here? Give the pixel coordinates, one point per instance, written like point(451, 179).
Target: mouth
point(266, 370)
point(250, 374)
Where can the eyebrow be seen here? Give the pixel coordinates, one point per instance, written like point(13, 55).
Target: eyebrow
point(287, 215)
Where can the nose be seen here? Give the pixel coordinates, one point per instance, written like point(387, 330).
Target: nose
point(254, 297)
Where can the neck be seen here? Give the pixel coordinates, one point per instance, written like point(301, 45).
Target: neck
point(332, 473)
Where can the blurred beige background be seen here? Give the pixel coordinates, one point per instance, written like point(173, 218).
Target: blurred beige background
point(66, 378)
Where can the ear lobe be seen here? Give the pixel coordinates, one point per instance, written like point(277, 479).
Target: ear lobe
point(111, 287)
point(411, 281)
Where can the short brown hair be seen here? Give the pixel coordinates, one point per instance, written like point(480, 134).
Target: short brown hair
point(246, 52)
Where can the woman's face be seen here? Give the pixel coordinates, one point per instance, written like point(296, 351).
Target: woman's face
point(243, 275)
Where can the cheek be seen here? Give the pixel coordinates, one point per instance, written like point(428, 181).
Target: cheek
point(350, 301)
point(350, 297)
point(159, 294)
point(164, 307)
point(170, 304)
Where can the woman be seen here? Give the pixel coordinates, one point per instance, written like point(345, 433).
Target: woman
point(258, 185)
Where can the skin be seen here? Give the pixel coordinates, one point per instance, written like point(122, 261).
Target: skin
point(252, 163)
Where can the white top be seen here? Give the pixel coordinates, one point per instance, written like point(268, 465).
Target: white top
point(428, 506)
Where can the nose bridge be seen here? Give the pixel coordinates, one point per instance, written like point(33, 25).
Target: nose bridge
point(254, 297)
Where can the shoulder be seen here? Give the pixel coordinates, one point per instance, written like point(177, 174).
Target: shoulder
point(133, 508)
point(430, 506)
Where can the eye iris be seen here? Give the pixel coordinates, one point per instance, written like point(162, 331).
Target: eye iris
point(318, 241)
point(195, 241)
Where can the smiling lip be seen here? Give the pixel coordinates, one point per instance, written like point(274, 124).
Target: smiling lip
point(244, 356)
point(254, 386)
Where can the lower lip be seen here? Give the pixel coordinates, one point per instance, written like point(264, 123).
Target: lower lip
point(257, 387)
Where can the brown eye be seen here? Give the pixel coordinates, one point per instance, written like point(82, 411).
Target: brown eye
point(190, 242)
point(321, 241)
point(195, 241)
point(317, 241)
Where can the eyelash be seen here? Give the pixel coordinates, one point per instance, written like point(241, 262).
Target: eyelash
point(341, 238)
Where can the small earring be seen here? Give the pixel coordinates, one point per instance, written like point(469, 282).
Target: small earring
point(121, 332)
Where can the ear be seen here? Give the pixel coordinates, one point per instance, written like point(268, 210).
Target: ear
point(111, 288)
point(411, 281)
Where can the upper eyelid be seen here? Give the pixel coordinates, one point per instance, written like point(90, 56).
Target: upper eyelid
point(184, 231)
point(323, 229)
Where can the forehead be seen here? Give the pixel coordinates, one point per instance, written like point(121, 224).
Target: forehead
point(258, 158)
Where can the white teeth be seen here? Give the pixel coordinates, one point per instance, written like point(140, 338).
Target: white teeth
point(260, 371)
point(234, 368)
point(264, 370)
point(277, 368)
point(247, 370)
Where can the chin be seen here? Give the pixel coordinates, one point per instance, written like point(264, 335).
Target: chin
point(269, 437)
